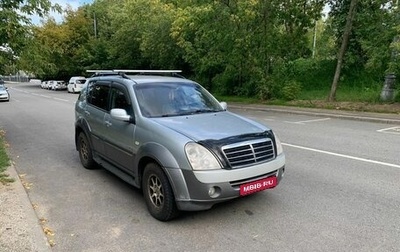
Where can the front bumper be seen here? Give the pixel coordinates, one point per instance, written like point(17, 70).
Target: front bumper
point(4, 97)
point(195, 192)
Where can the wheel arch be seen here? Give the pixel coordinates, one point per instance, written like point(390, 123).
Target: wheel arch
point(160, 155)
point(82, 126)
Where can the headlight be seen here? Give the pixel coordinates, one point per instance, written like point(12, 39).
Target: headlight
point(200, 158)
point(279, 148)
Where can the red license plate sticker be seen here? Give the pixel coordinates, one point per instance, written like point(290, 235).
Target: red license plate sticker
point(257, 186)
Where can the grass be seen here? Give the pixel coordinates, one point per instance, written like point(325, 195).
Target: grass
point(4, 161)
point(347, 98)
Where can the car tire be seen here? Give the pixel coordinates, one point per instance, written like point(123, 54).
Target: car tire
point(158, 194)
point(85, 152)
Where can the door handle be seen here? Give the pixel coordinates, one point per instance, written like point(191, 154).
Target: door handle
point(108, 124)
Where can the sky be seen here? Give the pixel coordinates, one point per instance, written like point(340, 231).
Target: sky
point(64, 3)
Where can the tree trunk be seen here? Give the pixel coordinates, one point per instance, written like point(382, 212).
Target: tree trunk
point(342, 51)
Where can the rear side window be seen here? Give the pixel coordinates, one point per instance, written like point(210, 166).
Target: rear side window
point(98, 95)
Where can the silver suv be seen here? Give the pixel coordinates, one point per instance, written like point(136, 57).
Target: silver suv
point(174, 140)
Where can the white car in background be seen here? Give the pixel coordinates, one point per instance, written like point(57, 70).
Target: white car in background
point(57, 85)
point(75, 84)
point(35, 82)
point(44, 84)
point(4, 95)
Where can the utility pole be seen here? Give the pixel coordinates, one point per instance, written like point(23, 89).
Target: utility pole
point(314, 39)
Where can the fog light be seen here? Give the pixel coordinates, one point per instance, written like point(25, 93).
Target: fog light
point(214, 191)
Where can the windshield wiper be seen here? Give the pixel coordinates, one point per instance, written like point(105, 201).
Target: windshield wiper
point(198, 111)
point(169, 115)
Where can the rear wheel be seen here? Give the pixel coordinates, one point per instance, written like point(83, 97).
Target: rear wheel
point(85, 152)
point(158, 193)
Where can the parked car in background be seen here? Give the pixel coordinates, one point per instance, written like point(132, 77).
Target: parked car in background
point(44, 84)
point(75, 84)
point(170, 137)
point(4, 95)
point(35, 82)
point(49, 84)
point(57, 85)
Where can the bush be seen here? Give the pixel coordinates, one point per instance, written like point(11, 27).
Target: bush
point(291, 90)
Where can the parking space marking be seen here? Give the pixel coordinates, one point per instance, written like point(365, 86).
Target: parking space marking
point(268, 119)
point(264, 119)
point(309, 121)
point(391, 130)
point(342, 155)
point(59, 99)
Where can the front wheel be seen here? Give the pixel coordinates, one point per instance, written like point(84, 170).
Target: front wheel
point(85, 152)
point(158, 193)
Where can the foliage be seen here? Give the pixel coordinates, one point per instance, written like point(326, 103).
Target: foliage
point(4, 161)
point(374, 29)
point(253, 48)
point(14, 24)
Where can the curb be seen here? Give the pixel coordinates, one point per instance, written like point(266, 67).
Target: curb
point(20, 229)
point(359, 116)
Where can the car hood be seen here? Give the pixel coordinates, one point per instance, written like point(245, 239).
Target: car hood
point(211, 125)
point(3, 92)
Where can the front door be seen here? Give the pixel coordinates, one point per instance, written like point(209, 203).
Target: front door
point(120, 137)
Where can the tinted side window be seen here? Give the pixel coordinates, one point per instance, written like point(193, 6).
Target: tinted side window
point(119, 99)
point(98, 95)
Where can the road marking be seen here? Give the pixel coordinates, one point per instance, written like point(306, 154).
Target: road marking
point(307, 121)
point(391, 130)
point(268, 119)
point(264, 119)
point(342, 155)
point(59, 99)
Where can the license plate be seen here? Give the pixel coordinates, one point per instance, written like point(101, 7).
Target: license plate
point(257, 186)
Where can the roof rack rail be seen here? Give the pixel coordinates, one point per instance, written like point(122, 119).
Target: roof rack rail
point(152, 72)
point(106, 73)
point(98, 71)
point(146, 71)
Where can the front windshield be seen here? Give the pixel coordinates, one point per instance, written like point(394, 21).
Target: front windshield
point(174, 99)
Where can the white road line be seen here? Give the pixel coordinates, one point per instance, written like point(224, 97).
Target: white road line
point(264, 119)
point(391, 130)
point(342, 155)
point(45, 96)
point(307, 121)
point(59, 99)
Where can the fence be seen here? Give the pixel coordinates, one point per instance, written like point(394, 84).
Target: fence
point(16, 78)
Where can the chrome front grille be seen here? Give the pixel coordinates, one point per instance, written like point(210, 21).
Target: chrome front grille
point(249, 152)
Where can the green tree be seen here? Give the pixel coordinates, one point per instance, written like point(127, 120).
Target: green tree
point(14, 24)
point(345, 40)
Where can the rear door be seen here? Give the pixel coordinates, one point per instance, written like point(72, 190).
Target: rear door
point(95, 112)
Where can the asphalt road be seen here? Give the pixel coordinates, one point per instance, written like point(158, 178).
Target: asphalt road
point(340, 191)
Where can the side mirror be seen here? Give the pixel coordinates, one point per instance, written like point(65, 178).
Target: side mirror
point(121, 115)
point(224, 105)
